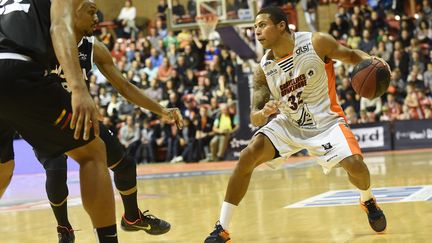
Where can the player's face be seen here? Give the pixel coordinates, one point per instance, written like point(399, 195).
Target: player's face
point(266, 31)
point(86, 18)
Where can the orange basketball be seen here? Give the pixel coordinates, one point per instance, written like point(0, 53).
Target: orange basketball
point(370, 78)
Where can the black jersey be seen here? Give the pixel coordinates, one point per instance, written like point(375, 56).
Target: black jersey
point(85, 54)
point(25, 29)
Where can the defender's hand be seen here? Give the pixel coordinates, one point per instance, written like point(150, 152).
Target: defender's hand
point(174, 115)
point(270, 108)
point(84, 114)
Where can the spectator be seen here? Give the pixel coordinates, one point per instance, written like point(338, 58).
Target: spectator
point(165, 71)
point(204, 133)
point(149, 69)
point(156, 58)
point(161, 8)
point(353, 40)
point(373, 105)
point(224, 125)
point(178, 9)
point(191, 58)
point(174, 143)
point(104, 97)
point(146, 150)
point(154, 39)
point(126, 19)
point(393, 106)
point(351, 115)
point(385, 114)
point(114, 104)
point(366, 44)
point(310, 9)
point(191, 7)
point(106, 38)
point(129, 133)
point(339, 26)
point(154, 92)
point(412, 102)
point(427, 77)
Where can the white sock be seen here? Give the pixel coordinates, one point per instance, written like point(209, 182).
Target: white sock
point(366, 194)
point(226, 214)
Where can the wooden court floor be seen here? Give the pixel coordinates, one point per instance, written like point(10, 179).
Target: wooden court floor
point(191, 204)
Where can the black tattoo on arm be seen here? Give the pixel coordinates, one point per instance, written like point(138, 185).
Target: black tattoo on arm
point(261, 92)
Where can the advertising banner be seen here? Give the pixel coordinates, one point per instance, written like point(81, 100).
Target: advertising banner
point(373, 136)
point(413, 134)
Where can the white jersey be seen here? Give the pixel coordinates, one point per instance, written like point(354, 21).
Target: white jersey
point(305, 85)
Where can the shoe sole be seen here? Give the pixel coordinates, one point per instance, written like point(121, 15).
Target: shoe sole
point(133, 229)
point(379, 225)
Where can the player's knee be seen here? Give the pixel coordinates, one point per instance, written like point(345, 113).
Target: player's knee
point(355, 165)
point(125, 173)
point(56, 187)
point(249, 157)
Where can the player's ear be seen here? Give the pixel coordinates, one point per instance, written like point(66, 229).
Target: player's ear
point(282, 26)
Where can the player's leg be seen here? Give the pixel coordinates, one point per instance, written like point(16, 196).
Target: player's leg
point(124, 168)
point(338, 146)
point(6, 172)
point(257, 152)
point(57, 193)
point(358, 174)
point(96, 190)
point(40, 110)
point(7, 163)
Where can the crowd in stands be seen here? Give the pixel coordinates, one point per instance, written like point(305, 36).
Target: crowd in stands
point(178, 69)
point(384, 30)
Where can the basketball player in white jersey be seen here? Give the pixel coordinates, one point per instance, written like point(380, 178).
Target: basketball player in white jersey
point(297, 72)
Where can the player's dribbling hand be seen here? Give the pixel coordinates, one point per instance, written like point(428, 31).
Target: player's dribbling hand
point(271, 108)
point(84, 115)
point(174, 115)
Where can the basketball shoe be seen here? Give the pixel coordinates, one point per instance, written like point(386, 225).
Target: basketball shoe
point(65, 234)
point(376, 217)
point(147, 222)
point(219, 235)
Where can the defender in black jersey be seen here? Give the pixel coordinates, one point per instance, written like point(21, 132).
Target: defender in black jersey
point(124, 168)
point(34, 34)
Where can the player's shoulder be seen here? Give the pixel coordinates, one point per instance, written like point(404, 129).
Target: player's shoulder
point(322, 42)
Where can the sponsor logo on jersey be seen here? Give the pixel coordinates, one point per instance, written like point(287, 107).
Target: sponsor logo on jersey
point(327, 146)
point(9, 6)
point(82, 56)
point(302, 49)
point(266, 63)
point(271, 72)
point(293, 84)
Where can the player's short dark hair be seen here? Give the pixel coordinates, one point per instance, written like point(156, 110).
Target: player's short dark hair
point(277, 15)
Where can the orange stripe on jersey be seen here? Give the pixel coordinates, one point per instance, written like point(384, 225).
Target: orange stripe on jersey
point(351, 140)
point(334, 106)
point(284, 58)
point(66, 122)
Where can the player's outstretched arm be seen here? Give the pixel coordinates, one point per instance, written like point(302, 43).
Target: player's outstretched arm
point(327, 47)
point(84, 111)
point(262, 107)
point(132, 93)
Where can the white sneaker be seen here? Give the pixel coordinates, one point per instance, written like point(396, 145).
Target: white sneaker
point(177, 159)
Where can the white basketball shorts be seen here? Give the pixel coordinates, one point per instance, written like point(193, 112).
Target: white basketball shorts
point(329, 146)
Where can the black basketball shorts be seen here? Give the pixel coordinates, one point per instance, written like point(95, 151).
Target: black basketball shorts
point(37, 107)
